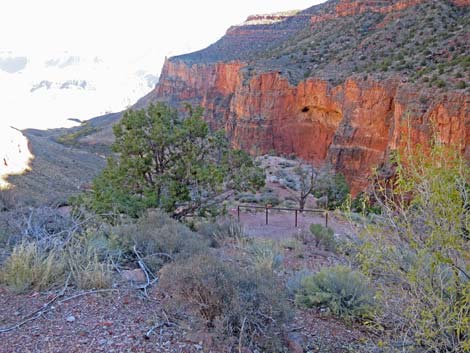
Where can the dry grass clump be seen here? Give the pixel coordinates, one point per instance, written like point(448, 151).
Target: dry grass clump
point(86, 269)
point(264, 255)
point(223, 233)
point(31, 268)
point(44, 246)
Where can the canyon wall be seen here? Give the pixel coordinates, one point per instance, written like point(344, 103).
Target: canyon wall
point(325, 92)
point(353, 125)
point(355, 7)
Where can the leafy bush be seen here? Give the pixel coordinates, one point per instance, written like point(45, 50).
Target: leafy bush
point(324, 237)
point(244, 305)
point(345, 292)
point(159, 239)
point(332, 186)
point(30, 267)
point(461, 85)
point(72, 139)
point(303, 236)
point(420, 249)
point(362, 204)
point(247, 198)
point(269, 199)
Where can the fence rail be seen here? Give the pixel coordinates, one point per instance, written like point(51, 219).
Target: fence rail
point(296, 210)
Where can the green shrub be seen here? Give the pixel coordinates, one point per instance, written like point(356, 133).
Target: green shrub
point(324, 237)
point(195, 165)
point(31, 268)
point(363, 204)
point(247, 198)
point(345, 292)
point(159, 239)
point(334, 188)
point(303, 236)
point(419, 249)
point(440, 83)
point(242, 304)
point(461, 85)
point(72, 139)
point(269, 199)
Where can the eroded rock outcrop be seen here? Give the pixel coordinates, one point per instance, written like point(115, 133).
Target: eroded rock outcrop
point(355, 7)
point(353, 124)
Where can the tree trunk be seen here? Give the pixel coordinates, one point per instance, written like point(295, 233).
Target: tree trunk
point(302, 201)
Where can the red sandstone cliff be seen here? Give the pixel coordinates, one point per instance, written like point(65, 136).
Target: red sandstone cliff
point(355, 7)
point(353, 124)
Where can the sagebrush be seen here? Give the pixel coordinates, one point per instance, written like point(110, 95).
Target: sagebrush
point(243, 304)
point(347, 293)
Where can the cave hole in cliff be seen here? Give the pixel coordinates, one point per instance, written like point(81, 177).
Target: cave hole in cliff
point(305, 109)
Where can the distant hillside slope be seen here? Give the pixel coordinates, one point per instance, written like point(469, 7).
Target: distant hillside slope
point(14, 153)
point(57, 171)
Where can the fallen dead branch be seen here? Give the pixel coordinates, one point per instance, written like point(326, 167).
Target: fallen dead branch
point(147, 273)
point(158, 326)
point(48, 306)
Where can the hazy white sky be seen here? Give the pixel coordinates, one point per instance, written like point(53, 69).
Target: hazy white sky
point(128, 36)
point(124, 28)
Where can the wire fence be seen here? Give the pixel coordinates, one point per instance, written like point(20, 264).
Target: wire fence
point(295, 210)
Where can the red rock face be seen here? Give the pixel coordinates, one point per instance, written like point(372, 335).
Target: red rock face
point(209, 85)
point(461, 2)
point(353, 126)
point(357, 7)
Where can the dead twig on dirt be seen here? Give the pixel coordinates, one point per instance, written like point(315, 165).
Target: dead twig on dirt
point(158, 326)
point(240, 338)
point(147, 273)
point(48, 306)
point(38, 312)
point(162, 254)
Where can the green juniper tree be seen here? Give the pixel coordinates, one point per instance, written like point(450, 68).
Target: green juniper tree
point(171, 162)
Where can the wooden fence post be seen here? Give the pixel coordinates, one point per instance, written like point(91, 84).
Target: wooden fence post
point(238, 213)
point(267, 215)
point(326, 219)
point(295, 218)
